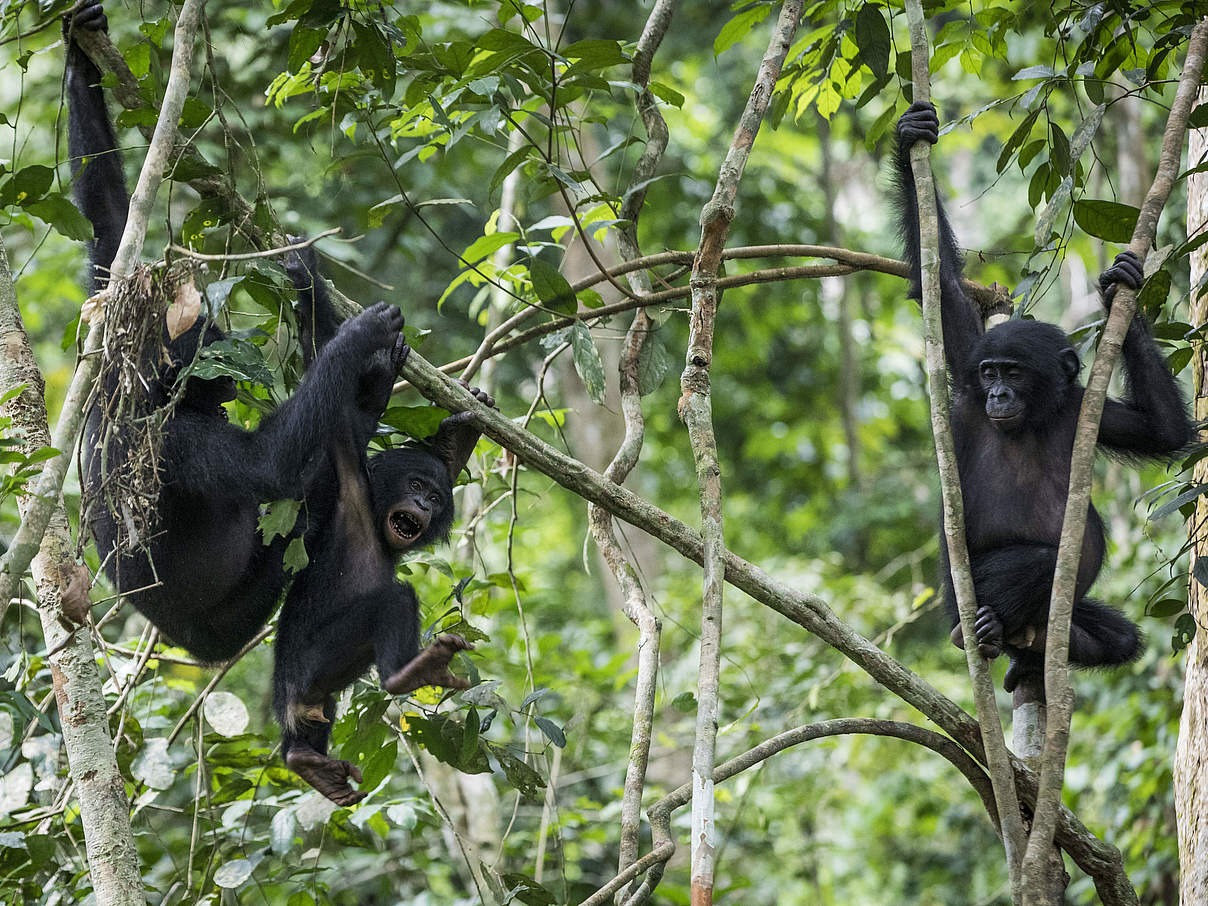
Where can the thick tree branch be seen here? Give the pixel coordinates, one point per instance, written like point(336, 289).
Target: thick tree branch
point(988, 717)
point(45, 489)
point(1058, 691)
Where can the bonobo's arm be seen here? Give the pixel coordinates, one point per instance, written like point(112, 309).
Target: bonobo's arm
point(274, 461)
point(1151, 421)
point(316, 315)
point(961, 318)
point(457, 435)
point(96, 165)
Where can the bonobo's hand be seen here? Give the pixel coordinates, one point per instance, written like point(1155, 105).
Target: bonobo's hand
point(1126, 270)
point(459, 418)
point(377, 327)
point(301, 265)
point(89, 17)
point(918, 124)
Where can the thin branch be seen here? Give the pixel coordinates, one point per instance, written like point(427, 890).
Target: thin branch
point(249, 256)
point(45, 489)
point(660, 812)
point(989, 720)
point(1058, 691)
point(599, 519)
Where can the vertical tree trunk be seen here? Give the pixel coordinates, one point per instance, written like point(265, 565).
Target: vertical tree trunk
point(100, 790)
point(1191, 755)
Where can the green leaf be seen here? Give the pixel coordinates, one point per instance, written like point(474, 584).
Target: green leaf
point(1059, 156)
point(667, 94)
point(527, 891)
point(523, 778)
point(587, 361)
point(415, 421)
point(510, 163)
point(1171, 505)
point(65, 217)
point(552, 731)
point(1107, 220)
point(653, 364)
point(485, 246)
point(551, 287)
point(27, 184)
point(1167, 607)
point(685, 703)
point(873, 39)
point(295, 558)
point(303, 42)
point(736, 29)
point(279, 518)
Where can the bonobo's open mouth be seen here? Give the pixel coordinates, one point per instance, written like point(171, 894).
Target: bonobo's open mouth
point(405, 526)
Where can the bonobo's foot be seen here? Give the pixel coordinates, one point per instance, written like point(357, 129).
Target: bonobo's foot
point(329, 776)
point(1020, 668)
point(377, 327)
point(918, 124)
point(430, 668)
point(89, 17)
point(1127, 270)
point(311, 714)
point(988, 629)
point(301, 265)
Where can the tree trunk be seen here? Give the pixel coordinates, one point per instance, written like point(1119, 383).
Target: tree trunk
point(99, 788)
point(1191, 755)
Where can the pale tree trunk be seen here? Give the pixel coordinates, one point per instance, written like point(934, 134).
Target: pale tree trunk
point(1191, 755)
point(99, 788)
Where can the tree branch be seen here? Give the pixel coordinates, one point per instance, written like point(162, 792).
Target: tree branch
point(1058, 691)
point(988, 717)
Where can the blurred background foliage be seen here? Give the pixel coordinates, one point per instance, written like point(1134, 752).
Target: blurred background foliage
point(399, 124)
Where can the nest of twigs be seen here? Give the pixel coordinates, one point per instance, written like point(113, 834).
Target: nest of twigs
point(133, 404)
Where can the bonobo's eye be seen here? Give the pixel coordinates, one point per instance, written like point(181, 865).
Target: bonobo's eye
point(415, 484)
point(1014, 373)
point(434, 499)
point(987, 373)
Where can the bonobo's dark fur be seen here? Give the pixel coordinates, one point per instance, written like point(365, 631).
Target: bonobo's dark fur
point(346, 611)
point(207, 580)
point(1015, 407)
point(218, 583)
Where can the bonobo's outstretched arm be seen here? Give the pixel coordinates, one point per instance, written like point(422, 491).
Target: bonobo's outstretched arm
point(1151, 421)
point(96, 164)
point(457, 436)
point(316, 315)
point(961, 318)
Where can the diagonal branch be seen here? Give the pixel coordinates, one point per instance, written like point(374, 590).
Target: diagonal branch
point(1058, 691)
point(988, 718)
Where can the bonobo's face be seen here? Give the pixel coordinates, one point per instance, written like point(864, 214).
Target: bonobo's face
point(412, 498)
point(1021, 372)
point(1005, 386)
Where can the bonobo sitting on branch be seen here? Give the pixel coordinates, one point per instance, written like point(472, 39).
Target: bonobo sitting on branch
point(1015, 404)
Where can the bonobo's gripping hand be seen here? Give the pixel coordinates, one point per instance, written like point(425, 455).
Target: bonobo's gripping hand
point(377, 327)
point(918, 124)
point(301, 265)
point(455, 438)
point(89, 17)
point(1126, 270)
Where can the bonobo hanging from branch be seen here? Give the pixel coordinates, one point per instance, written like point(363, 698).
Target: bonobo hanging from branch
point(346, 611)
point(1016, 397)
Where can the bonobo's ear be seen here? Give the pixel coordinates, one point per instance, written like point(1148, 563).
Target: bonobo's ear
point(1070, 364)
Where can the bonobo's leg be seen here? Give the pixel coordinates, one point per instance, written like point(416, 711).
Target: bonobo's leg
point(304, 744)
point(1101, 636)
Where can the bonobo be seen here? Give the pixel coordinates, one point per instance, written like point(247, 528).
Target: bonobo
point(206, 579)
point(1016, 397)
point(346, 611)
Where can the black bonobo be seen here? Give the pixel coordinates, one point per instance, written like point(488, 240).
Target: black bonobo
point(206, 579)
point(346, 611)
point(1016, 397)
